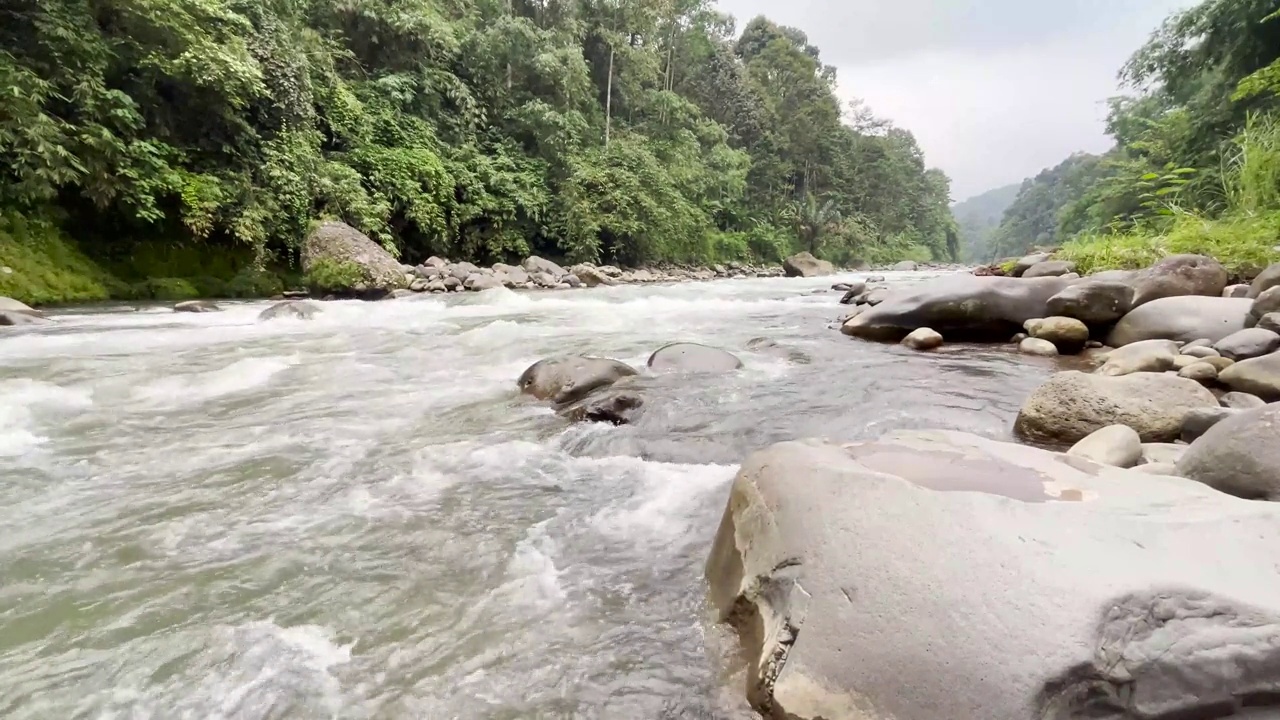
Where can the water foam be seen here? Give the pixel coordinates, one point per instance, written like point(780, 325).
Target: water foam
point(193, 389)
point(25, 404)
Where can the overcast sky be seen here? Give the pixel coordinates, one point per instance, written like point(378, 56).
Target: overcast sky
point(994, 90)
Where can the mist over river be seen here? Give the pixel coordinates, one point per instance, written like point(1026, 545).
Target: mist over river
point(207, 516)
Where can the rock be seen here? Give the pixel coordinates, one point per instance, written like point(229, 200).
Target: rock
point(1246, 344)
point(875, 297)
point(511, 276)
point(338, 244)
point(1119, 276)
point(452, 283)
point(1239, 456)
point(418, 285)
point(906, 266)
point(692, 357)
point(435, 262)
point(482, 281)
point(1241, 401)
point(941, 576)
point(1198, 421)
point(196, 306)
point(1028, 262)
point(1018, 338)
point(1067, 334)
point(436, 286)
point(1050, 268)
point(1072, 405)
point(1178, 276)
point(1259, 376)
point(545, 280)
point(590, 275)
point(292, 310)
point(1036, 346)
point(534, 265)
point(1115, 445)
point(1266, 280)
point(854, 289)
point(851, 297)
point(17, 318)
point(1165, 469)
point(399, 294)
point(1181, 318)
point(1094, 303)
point(1201, 372)
point(875, 278)
point(1182, 361)
point(571, 281)
point(1144, 356)
point(567, 379)
point(806, 265)
point(960, 307)
point(611, 271)
point(617, 406)
point(1199, 352)
point(11, 305)
point(1236, 291)
point(923, 339)
point(1265, 304)
point(1163, 453)
point(1200, 342)
point(1270, 321)
point(462, 271)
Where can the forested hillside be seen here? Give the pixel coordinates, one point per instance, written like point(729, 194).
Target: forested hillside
point(1196, 164)
point(978, 217)
point(177, 137)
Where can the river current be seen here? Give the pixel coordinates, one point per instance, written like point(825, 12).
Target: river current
point(207, 516)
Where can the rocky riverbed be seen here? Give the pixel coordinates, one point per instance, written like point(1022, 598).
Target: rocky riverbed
point(610, 502)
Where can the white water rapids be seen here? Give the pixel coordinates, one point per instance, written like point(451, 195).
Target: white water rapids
point(206, 516)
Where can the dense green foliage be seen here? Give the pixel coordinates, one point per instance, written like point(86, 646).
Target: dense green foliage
point(628, 130)
point(1196, 165)
point(978, 217)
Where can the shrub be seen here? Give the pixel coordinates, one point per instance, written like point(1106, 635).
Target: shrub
point(329, 275)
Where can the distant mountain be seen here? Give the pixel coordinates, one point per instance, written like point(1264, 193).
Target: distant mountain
point(979, 217)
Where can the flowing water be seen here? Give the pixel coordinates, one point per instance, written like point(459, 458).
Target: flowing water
point(206, 516)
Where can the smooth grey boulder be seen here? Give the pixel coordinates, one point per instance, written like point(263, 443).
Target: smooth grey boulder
point(334, 242)
point(1114, 445)
point(292, 310)
point(1180, 275)
point(196, 306)
point(18, 318)
point(1050, 268)
point(8, 304)
point(1162, 453)
point(510, 275)
point(1119, 276)
point(591, 276)
point(1072, 405)
point(693, 358)
point(941, 576)
point(1239, 456)
point(1235, 291)
point(1241, 401)
point(1093, 302)
point(806, 265)
point(1200, 351)
point(1266, 280)
point(568, 379)
point(959, 307)
point(482, 281)
point(1028, 262)
point(923, 339)
point(1248, 343)
point(1201, 372)
point(463, 270)
point(1183, 361)
point(1038, 347)
point(1167, 469)
point(1259, 376)
point(1270, 321)
point(1198, 421)
point(1182, 318)
point(1143, 356)
point(1265, 304)
point(906, 266)
point(1067, 334)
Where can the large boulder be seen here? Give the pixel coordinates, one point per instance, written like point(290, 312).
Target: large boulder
point(1142, 356)
point(1259, 376)
point(1246, 344)
point(938, 576)
point(482, 281)
point(1266, 303)
point(1266, 280)
point(905, 266)
point(694, 358)
point(1050, 268)
point(18, 318)
point(1199, 421)
point(1239, 455)
point(335, 246)
point(534, 265)
point(564, 380)
point(291, 309)
point(591, 276)
point(1028, 262)
point(1182, 318)
point(1180, 275)
point(1072, 405)
point(1093, 302)
point(959, 306)
point(806, 265)
point(1270, 321)
point(11, 305)
point(510, 275)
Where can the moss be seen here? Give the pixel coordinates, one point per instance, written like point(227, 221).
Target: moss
point(328, 275)
point(45, 267)
point(1244, 245)
point(1008, 266)
point(254, 283)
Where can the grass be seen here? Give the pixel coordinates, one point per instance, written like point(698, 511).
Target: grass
point(1243, 244)
point(327, 275)
point(48, 268)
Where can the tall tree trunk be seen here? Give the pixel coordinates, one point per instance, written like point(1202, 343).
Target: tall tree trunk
point(608, 100)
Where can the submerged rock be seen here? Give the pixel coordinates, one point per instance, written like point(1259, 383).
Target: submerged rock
point(564, 380)
point(692, 357)
point(1239, 456)
point(890, 579)
point(1183, 318)
point(292, 309)
point(806, 265)
point(617, 406)
point(1072, 405)
point(196, 306)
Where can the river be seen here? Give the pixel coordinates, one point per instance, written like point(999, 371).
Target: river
point(205, 516)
